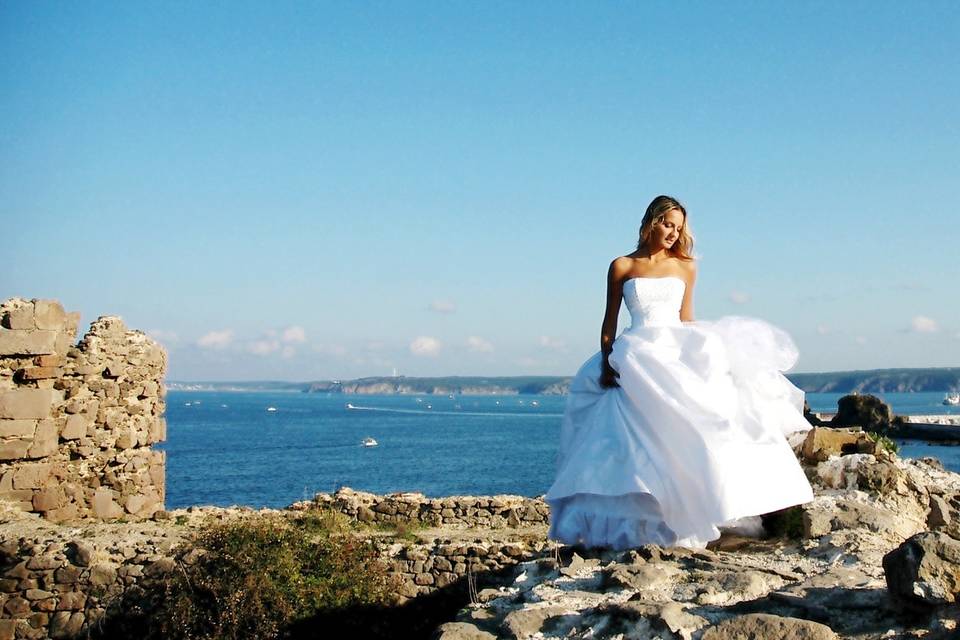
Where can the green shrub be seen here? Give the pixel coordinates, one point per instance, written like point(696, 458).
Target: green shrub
point(883, 442)
point(254, 578)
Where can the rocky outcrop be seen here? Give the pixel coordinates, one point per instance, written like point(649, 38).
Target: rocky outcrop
point(77, 421)
point(844, 573)
point(863, 410)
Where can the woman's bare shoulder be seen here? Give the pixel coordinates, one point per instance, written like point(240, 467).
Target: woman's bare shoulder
point(689, 268)
point(620, 266)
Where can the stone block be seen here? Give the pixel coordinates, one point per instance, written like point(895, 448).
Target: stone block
point(75, 427)
point(158, 430)
point(17, 428)
point(19, 317)
point(29, 374)
point(135, 503)
point(66, 624)
point(8, 629)
point(49, 360)
point(44, 440)
point(49, 314)
point(63, 514)
point(823, 442)
point(26, 404)
point(17, 607)
point(27, 342)
point(72, 601)
point(14, 449)
point(31, 476)
point(126, 439)
point(104, 506)
point(48, 499)
point(104, 573)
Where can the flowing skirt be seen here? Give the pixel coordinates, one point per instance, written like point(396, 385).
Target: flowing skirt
point(694, 437)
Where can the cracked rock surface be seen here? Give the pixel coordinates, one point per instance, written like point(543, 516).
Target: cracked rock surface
point(826, 582)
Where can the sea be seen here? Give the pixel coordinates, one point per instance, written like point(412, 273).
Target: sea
point(270, 449)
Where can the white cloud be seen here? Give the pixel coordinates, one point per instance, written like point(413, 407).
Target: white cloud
point(823, 329)
point(425, 346)
point(552, 343)
point(923, 324)
point(442, 306)
point(294, 334)
point(263, 347)
point(739, 297)
point(860, 340)
point(216, 339)
point(479, 345)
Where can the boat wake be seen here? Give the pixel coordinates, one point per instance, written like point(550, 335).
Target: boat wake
point(430, 412)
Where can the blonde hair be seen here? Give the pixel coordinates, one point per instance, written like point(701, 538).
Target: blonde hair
point(661, 205)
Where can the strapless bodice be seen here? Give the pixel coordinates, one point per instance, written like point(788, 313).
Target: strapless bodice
point(654, 302)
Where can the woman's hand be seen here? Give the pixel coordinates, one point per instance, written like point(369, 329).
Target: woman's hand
point(608, 376)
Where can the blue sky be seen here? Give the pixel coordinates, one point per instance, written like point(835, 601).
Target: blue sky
point(324, 190)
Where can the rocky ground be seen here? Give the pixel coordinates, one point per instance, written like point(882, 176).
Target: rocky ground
point(828, 581)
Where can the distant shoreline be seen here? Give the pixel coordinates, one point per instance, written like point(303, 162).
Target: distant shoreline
point(941, 380)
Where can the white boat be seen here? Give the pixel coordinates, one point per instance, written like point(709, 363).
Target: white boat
point(952, 399)
point(271, 408)
point(369, 442)
point(534, 403)
point(350, 406)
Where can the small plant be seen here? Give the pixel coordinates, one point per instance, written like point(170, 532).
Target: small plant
point(883, 442)
point(404, 529)
point(181, 520)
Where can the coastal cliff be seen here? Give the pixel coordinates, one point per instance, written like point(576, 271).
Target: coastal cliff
point(872, 381)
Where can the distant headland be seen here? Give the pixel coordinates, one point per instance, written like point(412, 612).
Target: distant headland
point(865, 381)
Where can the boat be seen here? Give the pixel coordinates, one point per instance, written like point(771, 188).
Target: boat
point(952, 399)
point(369, 442)
point(271, 408)
point(350, 406)
point(534, 403)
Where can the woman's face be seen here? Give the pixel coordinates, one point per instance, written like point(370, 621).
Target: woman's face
point(666, 232)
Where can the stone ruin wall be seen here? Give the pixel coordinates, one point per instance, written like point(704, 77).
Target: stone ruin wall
point(77, 420)
point(511, 529)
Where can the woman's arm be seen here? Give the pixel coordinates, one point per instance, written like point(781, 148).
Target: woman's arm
point(608, 331)
point(686, 307)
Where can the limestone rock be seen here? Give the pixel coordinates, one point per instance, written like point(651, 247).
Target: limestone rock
point(461, 631)
point(762, 626)
point(823, 442)
point(925, 569)
point(27, 342)
point(525, 623)
point(26, 404)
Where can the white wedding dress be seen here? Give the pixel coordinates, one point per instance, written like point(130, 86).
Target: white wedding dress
point(693, 438)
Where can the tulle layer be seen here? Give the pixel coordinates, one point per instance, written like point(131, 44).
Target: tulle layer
point(694, 436)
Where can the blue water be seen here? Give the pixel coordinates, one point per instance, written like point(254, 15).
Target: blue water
point(225, 447)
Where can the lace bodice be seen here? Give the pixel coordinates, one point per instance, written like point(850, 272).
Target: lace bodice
point(654, 302)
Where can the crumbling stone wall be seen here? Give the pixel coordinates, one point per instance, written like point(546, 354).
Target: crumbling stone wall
point(511, 529)
point(484, 512)
point(77, 420)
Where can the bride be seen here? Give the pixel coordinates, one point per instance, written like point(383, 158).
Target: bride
point(677, 426)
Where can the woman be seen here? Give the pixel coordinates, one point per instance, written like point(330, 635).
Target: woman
point(675, 427)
